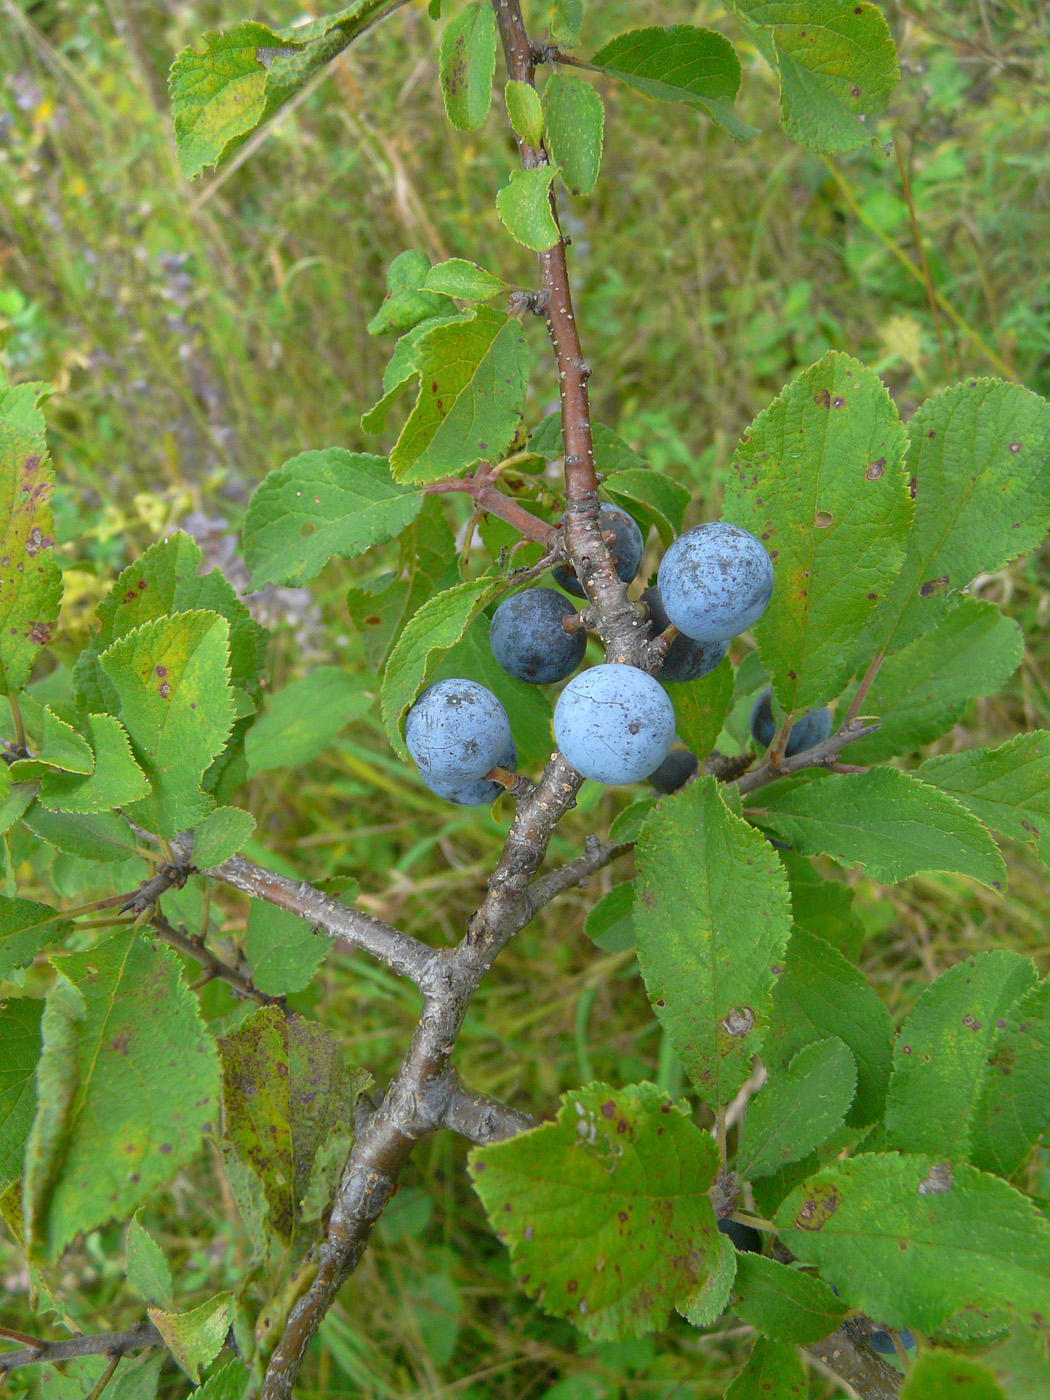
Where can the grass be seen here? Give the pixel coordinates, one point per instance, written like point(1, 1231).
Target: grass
point(199, 335)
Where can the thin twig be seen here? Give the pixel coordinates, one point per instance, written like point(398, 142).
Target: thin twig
point(483, 1119)
point(143, 1334)
point(489, 498)
point(820, 755)
point(214, 967)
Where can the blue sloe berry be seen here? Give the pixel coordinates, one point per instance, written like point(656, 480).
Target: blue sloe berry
point(529, 641)
point(686, 660)
point(626, 549)
point(456, 732)
point(715, 581)
point(813, 728)
point(882, 1342)
point(477, 794)
point(746, 1238)
point(675, 771)
point(614, 723)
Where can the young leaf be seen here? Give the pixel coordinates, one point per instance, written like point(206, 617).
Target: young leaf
point(195, 1338)
point(610, 923)
point(823, 907)
point(941, 1058)
point(146, 1265)
point(466, 280)
point(979, 462)
point(565, 17)
point(605, 1211)
point(680, 63)
point(524, 208)
point(282, 952)
point(403, 367)
point(30, 581)
point(651, 497)
point(890, 821)
point(301, 720)
point(19, 1052)
point(574, 119)
point(127, 1084)
point(438, 625)
point(25, 929)
point(919, 693)
point(1008, 788)
point(712, 917)
point(701, 706)
point(911, 1241)
point(473, 377)
point(525, 111)
point(171, 678)
point(321, 504)
point(220, 835)
point(1013, 1108)
point(819, 994)
point(468, 63)
point(285, 1092)
point(228, 1383)
point(116, 778)
point(408, 302)
point(836, 64)
point(785, 1305)
point(798, 1108)
point(818, 478)
point(61, 749)
point(21, 403)
point(772, 1372)
point(940, 1375)
point(611, 453)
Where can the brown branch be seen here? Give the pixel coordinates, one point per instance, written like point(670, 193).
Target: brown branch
point(490, 498)
point(214, 966)
point(857, 1364)
point(819, 755)
point(483, 1119)
point(143, 1334)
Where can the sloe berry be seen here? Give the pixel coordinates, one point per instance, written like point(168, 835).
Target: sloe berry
point(626, 549)
point(675, 771)
point(614, 723)
point(715, 581)
point(746, 1238)
point(529, 641)
point(477, 794)
point(686, 660)
point(813, 727)
point(456, 732)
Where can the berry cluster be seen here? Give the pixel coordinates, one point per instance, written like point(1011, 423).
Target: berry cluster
point(613, 723)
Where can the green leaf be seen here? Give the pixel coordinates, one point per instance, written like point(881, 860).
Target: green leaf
point(127, 1084)
point(164, 581)
point(893, 823)
point(701, 706)
point(785, 1305)
point(282, 951)
point(1008, 788)
point(220, 835)
point(473, 378)
point(627, 826)
point(712, 917)
point(528, 704)
point(219, 97)
point(403, 367)
point(25, 929)
point(611, 453)
point(524, 208)
point(799, 1107)
point(408, 302)
point(823, 907)
point(818, 478)
point(924, 689)
point(574, 118)
point(228, 1383)
point(980, 466)
point(525, 111)
point(605, 1211)
point(1013, 1107)
point(30, 580)
point(941, 1058)
point(19, 1052)
point(772, 1372)
point(836, 63)
point(320, 505)
point(171, 678)
point(565, 18)
point(286, 1092)
point(651, 497)
point(195, 1338)
point(941, 1375)
point(21, 403)
point(302, 720)
point(438, 625)
point(680, 63)
point(819, 994)
point(101, 836)
point(147, 1268)
point(610, 923)
point(61, 749)
point(911, 1241)
point(466, 280)
point(116, 778)
point(468, 63)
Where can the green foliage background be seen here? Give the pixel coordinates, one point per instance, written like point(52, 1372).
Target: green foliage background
point(201, 335)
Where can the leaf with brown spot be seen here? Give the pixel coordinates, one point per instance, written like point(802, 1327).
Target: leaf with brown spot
point(30, 580)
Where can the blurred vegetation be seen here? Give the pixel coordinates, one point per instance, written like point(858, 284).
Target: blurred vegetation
point(199, 335)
